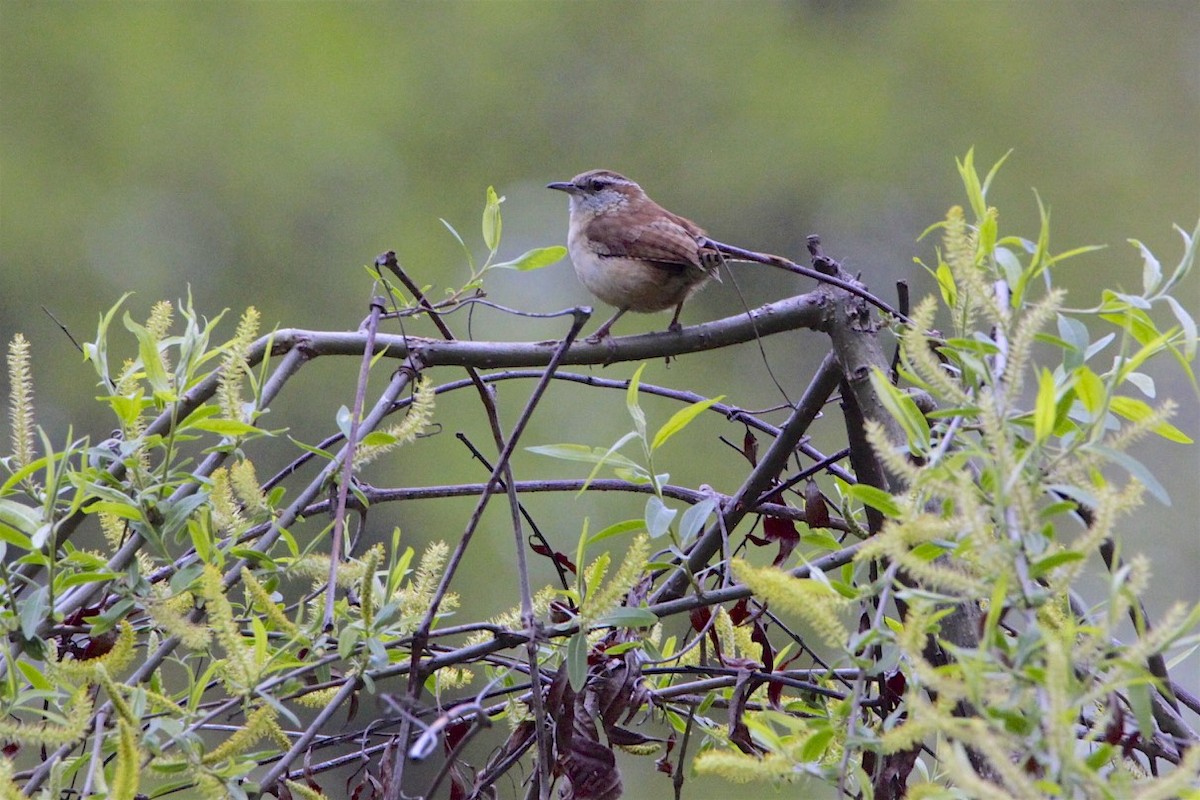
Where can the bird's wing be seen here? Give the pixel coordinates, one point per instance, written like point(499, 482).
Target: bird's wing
point(664, 241)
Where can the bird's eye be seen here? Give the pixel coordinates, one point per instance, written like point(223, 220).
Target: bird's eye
point(596, 184)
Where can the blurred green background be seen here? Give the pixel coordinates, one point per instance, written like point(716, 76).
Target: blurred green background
point(261, 153)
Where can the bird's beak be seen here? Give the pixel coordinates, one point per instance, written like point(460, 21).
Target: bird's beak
point(569, 188)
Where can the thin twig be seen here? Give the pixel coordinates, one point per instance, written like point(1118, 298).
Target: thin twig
point(339, 517)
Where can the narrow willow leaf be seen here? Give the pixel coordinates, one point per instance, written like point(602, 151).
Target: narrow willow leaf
point(1187, 323)
point(1137, 470)
point(1135, 410)
point(612, 456)
point(1044, 565)
point(970, 179)
point(577, 649)
point(904, 411)
point(533, 259)
point(628, 618)
point(617, 529)
point(1043, 411)
point(631, 402)
point(680, 420)
point(876, 498)
point(151, 360)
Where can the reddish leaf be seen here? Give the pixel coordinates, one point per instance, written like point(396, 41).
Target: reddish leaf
point(816, 511)
point(1116, 721)
point(892, 692)
point(559, 558)
point(750, 448)
point(740, 611)
point(589, 766)
point(782, 531)
point(98, 645)
point(758, 635)
point(561, 611)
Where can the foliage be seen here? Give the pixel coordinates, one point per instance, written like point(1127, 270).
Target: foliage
point(123, 560)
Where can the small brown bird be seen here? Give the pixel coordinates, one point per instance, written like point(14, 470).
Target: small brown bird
point(631, 252)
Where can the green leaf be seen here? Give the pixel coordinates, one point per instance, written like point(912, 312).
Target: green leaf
point(461, 243)
point(1140, 701)
point(1136, 469)
point(617, 529)
point(1010, 265)
point(589, 455)
point(1187, 323)
point(904, 411)
point(876, 498)
point(1044, 565)
point(1137, 411)
point(577, 650)
point(988, 230)
point(680, 419)
point(946, 284)
point(1089, 389)
point(970, 179)
point(628, 618)
point(1188, 259)
point(996, 606)
point(378, 439)
point(18, 522)
point(658, 516)
point(308, 448)
point(815, 746)
point(533, 259)
point(32, 610)
point(1044, 410)
point(992, 172)
point(491, 220)
point(226, 427)
point(631, 402)
point(1151, 269)
point(342, 418)
point(693, 519)
point(151, 360)
point(35, 676)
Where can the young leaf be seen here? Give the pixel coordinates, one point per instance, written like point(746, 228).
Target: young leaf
point(617, 529)
point(1151, 269)
point(692, 521)
point(680, 420)
point(876, 498)
point(533, 259)
point(1135, 410)
point(904, 411)
point(1137, 470)
point(1043, 413)
point(1089, 389)
point(970, 179)
point(658, 516)
point(631, 402)
point(628, 618)
point(589, 455)
point(491, 220)
point(577, 649)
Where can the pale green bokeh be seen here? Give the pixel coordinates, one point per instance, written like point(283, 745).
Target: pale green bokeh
point(261, 153)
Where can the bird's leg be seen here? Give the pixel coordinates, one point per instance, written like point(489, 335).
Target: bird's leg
point(675, 327)
point(600, 334)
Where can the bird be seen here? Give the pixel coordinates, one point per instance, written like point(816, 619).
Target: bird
point(632, 253)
